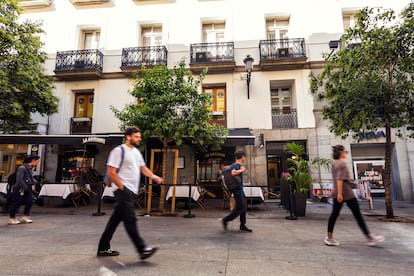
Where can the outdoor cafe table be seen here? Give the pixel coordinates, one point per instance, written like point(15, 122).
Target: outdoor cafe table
point(62, 190)
point(182, 192)
point(252, 192)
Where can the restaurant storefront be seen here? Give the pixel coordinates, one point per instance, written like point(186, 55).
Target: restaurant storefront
point(62, 156)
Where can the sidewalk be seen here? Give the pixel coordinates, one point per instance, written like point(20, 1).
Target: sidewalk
point(63, 241)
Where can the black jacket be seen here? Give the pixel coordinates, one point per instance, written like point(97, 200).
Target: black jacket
point(24, 178)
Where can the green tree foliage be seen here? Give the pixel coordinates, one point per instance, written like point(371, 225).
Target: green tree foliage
point(24, 88)
point(369, 82)
point(171, 108)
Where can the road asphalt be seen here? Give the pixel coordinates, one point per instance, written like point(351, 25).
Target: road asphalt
point(63, 241)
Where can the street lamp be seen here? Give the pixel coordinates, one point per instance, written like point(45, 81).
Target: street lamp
point(248, 65)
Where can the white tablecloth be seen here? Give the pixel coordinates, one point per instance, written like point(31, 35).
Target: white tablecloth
point(182, 191)
point(3, 188)
point(253, 192)
point(62, 190)
point(58, 190)
point(109, 191)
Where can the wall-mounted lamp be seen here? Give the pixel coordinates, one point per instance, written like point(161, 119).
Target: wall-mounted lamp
point(333, 45)
point(261, 140)
point(248, 65)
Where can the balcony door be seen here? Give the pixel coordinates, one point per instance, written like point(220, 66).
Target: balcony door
point(213, 32)
point(151, 36)
point(218, 106)
point(277, 28)
point(90, 39)
point(83, 105)
point(281, 100)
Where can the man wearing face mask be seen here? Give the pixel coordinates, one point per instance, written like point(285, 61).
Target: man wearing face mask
point(124, 167)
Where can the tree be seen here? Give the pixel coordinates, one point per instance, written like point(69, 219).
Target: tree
point(171, 108)
point(24, 88)
point(369, 82)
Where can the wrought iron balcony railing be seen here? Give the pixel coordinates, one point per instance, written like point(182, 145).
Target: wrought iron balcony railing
point(274, 49)
point(138, 56)
point(212, 52)
point(80, 125)
point(90, 59)
point(284, 118)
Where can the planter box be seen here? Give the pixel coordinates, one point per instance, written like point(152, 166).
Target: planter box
point(300, 204)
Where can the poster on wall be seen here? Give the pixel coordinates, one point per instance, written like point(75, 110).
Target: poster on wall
point(371, 171)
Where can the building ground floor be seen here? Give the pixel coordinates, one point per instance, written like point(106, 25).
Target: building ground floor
point(64, 157)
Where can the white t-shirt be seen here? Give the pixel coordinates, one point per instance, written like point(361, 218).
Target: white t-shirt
point(130, 171)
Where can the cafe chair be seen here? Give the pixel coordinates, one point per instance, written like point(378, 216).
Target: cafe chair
point(80, 192)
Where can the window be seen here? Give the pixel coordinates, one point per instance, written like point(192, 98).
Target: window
point(90, 39)
point(277, 28)
point(83, 105)
point(280, 100)
point(213, 32)
point(151, 35)
point(218, 106)
point(349, 21)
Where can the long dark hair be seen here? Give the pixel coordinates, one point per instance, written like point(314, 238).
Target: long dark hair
point(336, 151)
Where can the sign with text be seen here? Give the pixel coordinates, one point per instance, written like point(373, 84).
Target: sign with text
point(371, 171)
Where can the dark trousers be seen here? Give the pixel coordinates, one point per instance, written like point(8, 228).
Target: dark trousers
point(240, 210)
point(17, 200)
point(124, 211)
point(354, 206)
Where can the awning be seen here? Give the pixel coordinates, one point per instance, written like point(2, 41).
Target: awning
point(110, 139)
point(239, 137)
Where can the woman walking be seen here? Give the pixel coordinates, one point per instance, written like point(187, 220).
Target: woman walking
point(342, 192)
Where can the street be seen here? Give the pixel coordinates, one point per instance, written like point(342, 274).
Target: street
point(63, 241)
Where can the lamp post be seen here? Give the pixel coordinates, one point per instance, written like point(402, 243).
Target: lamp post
point(248, 64)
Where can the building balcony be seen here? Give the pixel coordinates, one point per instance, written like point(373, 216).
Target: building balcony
point(35, 4)
point(80, 125)
point(282, 54)
point(76, 64)
point(219, 118)
point(284, 118)
point(135, 57)
point(217, 57)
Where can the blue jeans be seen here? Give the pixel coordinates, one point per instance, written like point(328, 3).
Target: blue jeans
point(124, 211)
point(17, 200)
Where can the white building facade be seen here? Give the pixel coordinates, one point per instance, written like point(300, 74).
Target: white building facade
point(93, 46)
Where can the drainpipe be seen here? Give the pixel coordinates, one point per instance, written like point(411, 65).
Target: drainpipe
point(409, 166)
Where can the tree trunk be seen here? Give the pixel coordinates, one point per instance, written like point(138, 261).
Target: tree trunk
point(387, 173)
point(163, 190)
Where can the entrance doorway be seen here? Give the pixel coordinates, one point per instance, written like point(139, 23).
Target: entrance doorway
point(277, 156)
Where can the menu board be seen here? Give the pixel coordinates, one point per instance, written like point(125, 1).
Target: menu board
point(371, 171)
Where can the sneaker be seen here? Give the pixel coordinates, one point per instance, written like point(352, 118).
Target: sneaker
point(107, 253)
point(331, 242)
point(26, 219)
point(244, 228)
point(374, 240)
point(224, 225)
point(13, 221)
point(148, 252)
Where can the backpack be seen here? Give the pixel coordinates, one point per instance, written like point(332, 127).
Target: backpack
point(107, 180)
point(231, 182)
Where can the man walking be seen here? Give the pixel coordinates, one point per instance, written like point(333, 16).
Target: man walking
point(239, 196)
point(22, 191)
point(124, 167)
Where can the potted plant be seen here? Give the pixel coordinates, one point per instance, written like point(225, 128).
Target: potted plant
point(301, 175)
